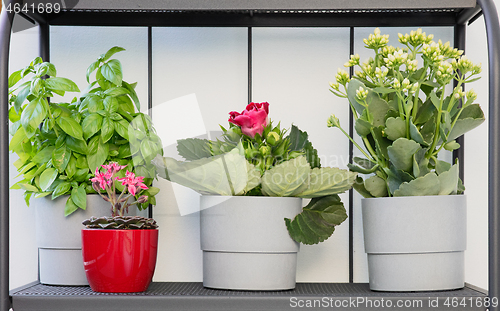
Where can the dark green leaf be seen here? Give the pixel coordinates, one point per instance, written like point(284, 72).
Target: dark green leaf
point(70, 127)
point(317, 221)
point(70, 207)
point(60, 158)
point(61, 84)
point(15, 77)
point(43, 155)
point(61, 189)
point(132, 94)
point(116, 91)
point(20, 98)
point(91, 69)
point(112, 52)
point(107, 129)
point(76, 145)
point(79, 197)
point(47, 178)
point(112, 71)
point(110, 104)
point(121, 128)
point(99, 156)
point(91, 125)
point(193, 148)
point(32, 116)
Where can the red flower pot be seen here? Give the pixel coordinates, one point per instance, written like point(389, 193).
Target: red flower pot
point(119, 261)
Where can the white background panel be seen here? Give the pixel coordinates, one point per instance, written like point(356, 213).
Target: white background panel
point(210, 63)
point(292, 68)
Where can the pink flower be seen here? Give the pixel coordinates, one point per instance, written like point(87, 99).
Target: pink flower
point(252, 120)
point(100, 179)
point(113, 167)
point(132, 182)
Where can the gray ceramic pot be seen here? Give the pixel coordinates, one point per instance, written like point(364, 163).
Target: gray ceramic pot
point(245, 243)
point(415, 243)
point(59, 239)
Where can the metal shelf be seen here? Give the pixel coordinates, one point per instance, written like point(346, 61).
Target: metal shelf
point(193, 296)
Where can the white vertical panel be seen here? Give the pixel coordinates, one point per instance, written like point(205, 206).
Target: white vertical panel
point(476, 165)
point(23, 251)
point(74, 48)
point(292, 68)
point(210, 63)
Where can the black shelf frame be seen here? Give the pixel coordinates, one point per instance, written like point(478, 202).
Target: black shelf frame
point(271, 13)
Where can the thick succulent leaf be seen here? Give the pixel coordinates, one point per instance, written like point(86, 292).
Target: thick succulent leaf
point(359, 186)
point(376, 186)
point(286, 179)
point(442, 166)
point(471, 117)
point(364, 163)
point(327, 181)
point(358, 169)
point(420, 163)
point(415, 134)
point(381, 142)
point(377, 106)
point(317, 221)
point(401, 153)
point(352, 87)
point(449, 181)
point(395, 128)
point(227, 174)
point(426, 185)
point(362, 127)
point(193, 148)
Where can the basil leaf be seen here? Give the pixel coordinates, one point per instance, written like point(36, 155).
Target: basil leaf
point(60, 158)
point(112, 71)
point(61, 84)
point(91, 125)
point(47, 178)
point(70, 127)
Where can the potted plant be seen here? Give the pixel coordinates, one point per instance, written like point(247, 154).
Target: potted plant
point(60, 146)
point(414, 216)
point(253, 180)
point(119, 252)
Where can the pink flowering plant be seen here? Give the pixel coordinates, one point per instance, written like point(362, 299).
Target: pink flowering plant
point(133, 193)
point(254, 157)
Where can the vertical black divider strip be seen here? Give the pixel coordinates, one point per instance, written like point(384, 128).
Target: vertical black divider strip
point(6, 20)
point(249, 64)
point(45, 42)
point(493, 38)
point(150, 89)
point(459, 38)
point(351, 154)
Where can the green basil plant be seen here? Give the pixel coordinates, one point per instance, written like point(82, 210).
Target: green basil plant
point(408, 105)
point(60, 145)
point(256, 158)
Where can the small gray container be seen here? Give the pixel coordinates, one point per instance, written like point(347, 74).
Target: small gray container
point(415, 243)
point(245, 242)
point(59, 239)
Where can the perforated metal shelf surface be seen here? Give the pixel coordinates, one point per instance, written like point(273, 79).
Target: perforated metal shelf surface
point(193, 296)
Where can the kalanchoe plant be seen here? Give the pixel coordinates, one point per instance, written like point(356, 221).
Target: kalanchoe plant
point(107, 181)
point(406, 114)
point(256, 158)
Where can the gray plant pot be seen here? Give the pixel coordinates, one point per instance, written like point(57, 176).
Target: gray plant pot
point(59, 239)
point(415, 243)
point(245, 243)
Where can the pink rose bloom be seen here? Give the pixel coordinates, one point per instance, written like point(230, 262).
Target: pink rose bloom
point(252, 120)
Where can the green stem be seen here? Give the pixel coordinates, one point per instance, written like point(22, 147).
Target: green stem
point(357, 146)
point(438, 127)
